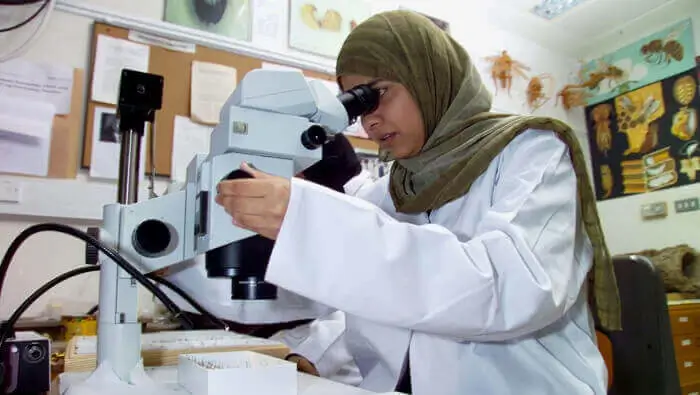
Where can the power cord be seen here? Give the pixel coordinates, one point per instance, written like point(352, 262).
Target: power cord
point(203, 311)
point(47, 8)
point(19, 2)
point(109, 251)
point(28, 20)
point(9, 325)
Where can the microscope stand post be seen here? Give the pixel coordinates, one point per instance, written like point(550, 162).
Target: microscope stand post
point(119, 330)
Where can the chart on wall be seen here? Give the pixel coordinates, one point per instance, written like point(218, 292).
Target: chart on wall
point(651, 59)
point(230, 18)
point(646, 139)
point(321, 26)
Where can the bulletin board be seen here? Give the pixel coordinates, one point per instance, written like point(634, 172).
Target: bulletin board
point(176, 69)
point(65, 135)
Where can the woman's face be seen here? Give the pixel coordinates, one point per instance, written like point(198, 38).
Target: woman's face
point(397, 123)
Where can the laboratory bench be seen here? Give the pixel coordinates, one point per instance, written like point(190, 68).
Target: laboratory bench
point(167, 375)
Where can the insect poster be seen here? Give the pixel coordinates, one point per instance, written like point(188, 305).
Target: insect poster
point(651, 59)
point(646, 139)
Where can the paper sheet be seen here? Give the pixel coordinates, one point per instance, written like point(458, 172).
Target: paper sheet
point(270, 24)
point(212, 84)
point(189, 139)
point(25, 136)
point(111, 56)
point(38, 82)
point(106, 139)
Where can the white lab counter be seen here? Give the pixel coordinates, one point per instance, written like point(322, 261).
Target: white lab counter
point(307, 384)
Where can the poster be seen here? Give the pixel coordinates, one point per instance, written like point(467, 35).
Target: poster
point(321, 26)
point(650, 59)
point(230, 18)
point(646, 140)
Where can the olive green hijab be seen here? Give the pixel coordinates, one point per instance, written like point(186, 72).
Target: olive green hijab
point(463, 136)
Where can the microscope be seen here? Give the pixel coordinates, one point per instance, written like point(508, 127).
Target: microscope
point(275, 120)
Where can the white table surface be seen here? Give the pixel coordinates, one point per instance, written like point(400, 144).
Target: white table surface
point(307, 384)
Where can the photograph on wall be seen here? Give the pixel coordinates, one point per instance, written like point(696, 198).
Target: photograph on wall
point(320, 26)
point(651, 59)
point(230, 18)
point(646, 139)
point(106, 145)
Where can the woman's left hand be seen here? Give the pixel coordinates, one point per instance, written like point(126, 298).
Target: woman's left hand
point(258, 204)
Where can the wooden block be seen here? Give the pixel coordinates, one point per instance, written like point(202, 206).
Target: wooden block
point(164, 348)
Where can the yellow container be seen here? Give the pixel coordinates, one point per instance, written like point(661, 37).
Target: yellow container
point(78, 326)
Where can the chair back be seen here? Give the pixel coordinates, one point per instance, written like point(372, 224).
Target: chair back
point(643, 360)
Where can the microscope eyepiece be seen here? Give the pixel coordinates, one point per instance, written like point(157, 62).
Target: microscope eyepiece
point(359, 101)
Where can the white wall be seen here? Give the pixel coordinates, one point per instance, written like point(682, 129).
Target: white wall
point(624, 229)
point(67, 41)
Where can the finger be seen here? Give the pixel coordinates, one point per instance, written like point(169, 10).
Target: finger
point(244, 187)
point(254, 223)
point(245, 205)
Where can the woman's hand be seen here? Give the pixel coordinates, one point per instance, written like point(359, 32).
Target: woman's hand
point(303, 364)
point(258, 204)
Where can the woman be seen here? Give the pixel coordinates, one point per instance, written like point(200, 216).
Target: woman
point(465, 270)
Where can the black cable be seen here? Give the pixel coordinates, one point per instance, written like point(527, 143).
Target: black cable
point(19, 2)
point(110, 252)
point(200, 309)
point(28, 20)
point(93, 310)
point(203, 311)
point(9, 325)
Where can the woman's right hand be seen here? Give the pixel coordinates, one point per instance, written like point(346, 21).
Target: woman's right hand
point(303, 364)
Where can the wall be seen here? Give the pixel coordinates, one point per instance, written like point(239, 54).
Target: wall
point(47, 255)
point(624, 229)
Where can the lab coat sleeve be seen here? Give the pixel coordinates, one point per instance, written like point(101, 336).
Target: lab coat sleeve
point(516, 274)
point(322, 342)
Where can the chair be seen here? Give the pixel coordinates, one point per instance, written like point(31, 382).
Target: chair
point(606, 350)
point(643, 360)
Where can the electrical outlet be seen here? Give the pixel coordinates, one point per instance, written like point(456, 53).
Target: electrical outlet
point(10, 191)
point(654, 210)
point(687, 205)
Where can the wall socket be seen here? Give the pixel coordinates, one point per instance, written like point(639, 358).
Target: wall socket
point(654, 210)
point(10, 191)
point(687, 205)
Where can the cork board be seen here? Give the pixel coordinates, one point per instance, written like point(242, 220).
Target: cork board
point(176, 69)
point(65, 135)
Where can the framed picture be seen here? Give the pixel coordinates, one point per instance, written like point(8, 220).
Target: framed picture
point(230, 18)
point(320, 26)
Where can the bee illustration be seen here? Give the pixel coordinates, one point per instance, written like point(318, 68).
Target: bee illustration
point(665, 50)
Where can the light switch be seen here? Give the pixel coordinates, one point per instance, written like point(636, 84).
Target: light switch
point(654, 210)
point(686, 205)
point(10, 191)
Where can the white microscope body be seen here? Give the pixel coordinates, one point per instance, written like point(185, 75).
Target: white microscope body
point(275, 120)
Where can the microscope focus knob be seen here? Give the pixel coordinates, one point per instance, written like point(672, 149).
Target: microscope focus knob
point(91, 252)
point(314, 137)
point(238, 173)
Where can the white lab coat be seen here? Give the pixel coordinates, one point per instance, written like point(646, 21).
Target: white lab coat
point(488, 291)
point(322, 342)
